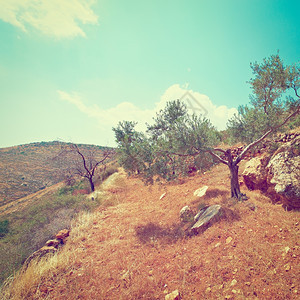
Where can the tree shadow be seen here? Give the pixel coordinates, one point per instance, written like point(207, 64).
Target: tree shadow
point(210, 194)
point(152, 233)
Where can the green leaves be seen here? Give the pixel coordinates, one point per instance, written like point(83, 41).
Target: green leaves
point(169, 147)
point(271, 82)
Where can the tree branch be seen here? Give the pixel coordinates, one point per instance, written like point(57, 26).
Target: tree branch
point(240, 157)
point(221, 150)
point(217, 156)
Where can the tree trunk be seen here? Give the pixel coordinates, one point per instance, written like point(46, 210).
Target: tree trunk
point(234, 182)
point(234, 174)
point(92, 184)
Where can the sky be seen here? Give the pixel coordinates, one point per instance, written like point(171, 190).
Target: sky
point(70, 70)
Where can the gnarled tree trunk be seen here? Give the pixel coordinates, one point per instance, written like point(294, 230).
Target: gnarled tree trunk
point(234, 181)
point(234, 174)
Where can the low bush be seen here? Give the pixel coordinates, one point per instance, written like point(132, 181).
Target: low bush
point(3, 228)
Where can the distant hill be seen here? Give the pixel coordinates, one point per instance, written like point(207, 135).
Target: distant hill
point(26, 169)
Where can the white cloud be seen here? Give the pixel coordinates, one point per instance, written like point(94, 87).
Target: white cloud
point(58, 18)
point(108, 118)
point(218, 115)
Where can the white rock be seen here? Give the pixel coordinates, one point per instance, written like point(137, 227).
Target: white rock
point(201, 191)
point(162, 196)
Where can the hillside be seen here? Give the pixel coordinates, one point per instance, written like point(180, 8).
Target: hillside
point(26, 169)
point(135, 248)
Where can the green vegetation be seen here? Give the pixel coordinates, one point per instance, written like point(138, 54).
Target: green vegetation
point(176, 140)
point(275, 96)
point(169, 147)
point(24, 231)
point(31, 227)
point(3, 228)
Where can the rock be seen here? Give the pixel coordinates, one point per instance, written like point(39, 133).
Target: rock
point(201, 191)
point(175, 295)
point(62, 235)
point(283, 175)
point(277, 175)
point(126, 275)
point(162, 196)
point(200, 212)
point(53, 243)
point(287, 267)
point(186, 214)
point(209, 216)
point(233, 282)
point(255, 175)
point(39, 254)
point(251, 206)
point(228, 240)
point(95, 195)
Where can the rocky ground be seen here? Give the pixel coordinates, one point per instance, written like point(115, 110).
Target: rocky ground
point(137, 249)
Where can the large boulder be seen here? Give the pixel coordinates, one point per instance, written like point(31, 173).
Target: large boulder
point(255, 173)
point(206, 218)
point(284, 175)
point(278, 175)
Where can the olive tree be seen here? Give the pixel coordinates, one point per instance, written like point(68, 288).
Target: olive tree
point(176, 137)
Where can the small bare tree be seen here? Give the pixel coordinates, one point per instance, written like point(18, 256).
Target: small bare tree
point(86, 162)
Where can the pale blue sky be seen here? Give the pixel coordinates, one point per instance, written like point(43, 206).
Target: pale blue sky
point(71, 69)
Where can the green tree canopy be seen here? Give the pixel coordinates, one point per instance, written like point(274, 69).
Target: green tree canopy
point(275, 95)
point(170, 145)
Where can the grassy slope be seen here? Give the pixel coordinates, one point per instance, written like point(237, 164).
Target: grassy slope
point(134, 251)
point(26, 169)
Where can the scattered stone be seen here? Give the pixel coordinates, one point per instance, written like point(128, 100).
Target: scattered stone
point(162, 196)
point(126, 276)
point(228, 240)
point(217, 245)
point(233, 282)
point(39, 254)
point(201, 191)
point(287, 267)
point(175, 295)
point(251, 206)
point(287, 249)
point(207, 218)
point(62, 235)
point(208, 290)
point(186, 214)
point(248, 283)
point(53, 243)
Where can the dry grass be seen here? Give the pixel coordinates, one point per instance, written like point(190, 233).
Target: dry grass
point(29, 281)
point(135, 251)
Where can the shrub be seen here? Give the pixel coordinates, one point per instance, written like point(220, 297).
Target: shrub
point(3, 228)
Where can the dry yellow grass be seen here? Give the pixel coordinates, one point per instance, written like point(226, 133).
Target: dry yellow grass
point(28, 281)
